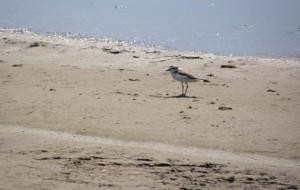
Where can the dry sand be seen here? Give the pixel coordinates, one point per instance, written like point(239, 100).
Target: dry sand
point(131, 131)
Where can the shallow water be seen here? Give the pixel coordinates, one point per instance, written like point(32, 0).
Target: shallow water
point(238, 27)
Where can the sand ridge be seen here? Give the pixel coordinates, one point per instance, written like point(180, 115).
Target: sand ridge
point(203, 154)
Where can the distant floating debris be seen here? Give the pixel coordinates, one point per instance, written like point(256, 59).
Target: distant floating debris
point(246, 26)
point(298, 29)
point(121, 7)
point(295, 31)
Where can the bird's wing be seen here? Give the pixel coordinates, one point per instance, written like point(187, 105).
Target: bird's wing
point(186, 74)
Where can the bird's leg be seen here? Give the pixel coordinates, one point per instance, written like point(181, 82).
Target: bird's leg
point(182, 89)
point(187, 86)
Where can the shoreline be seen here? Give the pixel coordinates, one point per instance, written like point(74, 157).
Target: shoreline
point(139, 45)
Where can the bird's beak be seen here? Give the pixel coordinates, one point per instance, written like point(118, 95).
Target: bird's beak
point(168, 70)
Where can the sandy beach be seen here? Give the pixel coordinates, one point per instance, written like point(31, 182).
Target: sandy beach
point(77, 113)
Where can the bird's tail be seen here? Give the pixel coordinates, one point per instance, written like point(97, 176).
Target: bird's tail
point(204, 80)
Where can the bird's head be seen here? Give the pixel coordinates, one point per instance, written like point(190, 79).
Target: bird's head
point(172, 69)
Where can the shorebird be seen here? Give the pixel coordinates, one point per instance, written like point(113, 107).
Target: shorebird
point(183, 77)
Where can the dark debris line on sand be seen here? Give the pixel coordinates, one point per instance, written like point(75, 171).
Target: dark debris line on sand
point(228, 66)
point(224, 108)
point(37, 44)
point(17, 65)
point(167, 174)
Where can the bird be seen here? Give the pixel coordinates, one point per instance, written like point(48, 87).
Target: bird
point(182, 77)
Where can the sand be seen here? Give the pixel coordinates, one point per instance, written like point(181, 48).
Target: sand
point(77, 113)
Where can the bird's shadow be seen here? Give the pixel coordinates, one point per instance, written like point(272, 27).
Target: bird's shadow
point(177, 96)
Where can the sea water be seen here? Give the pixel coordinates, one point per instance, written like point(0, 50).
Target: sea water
point(226, 27)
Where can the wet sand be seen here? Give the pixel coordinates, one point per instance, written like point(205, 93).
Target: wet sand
point(110, 90)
